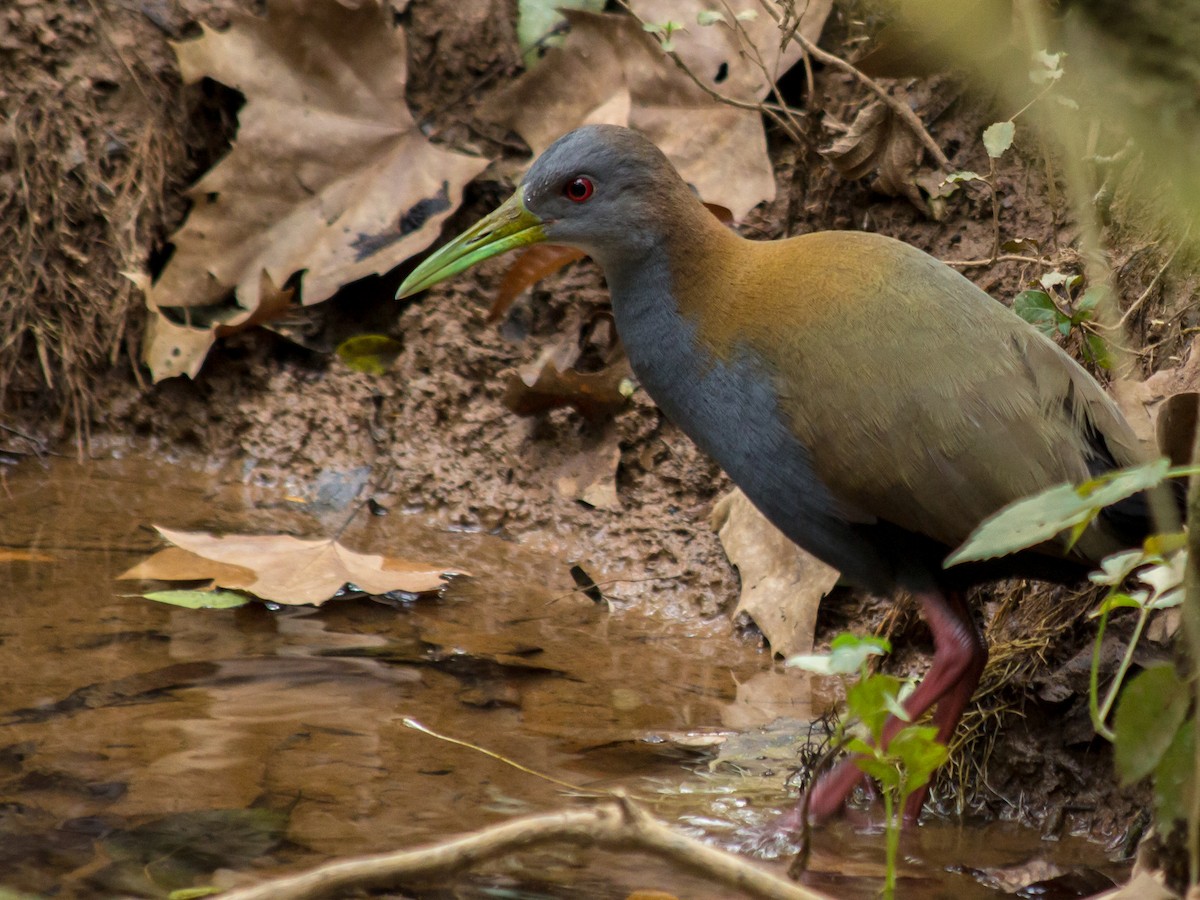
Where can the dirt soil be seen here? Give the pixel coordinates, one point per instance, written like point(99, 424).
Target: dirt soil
point(101, 138)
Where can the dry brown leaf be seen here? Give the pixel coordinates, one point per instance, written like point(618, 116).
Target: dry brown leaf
point(1141, 401)
point(611, 71)
point(549, 384)
point(285, 569)
point(530, 267)
point(878, 142)
point(329, 175)
point(782, 585)
point(591, 474)
point(177, 564)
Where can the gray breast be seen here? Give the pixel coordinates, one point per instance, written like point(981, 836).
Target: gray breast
point(731, 410)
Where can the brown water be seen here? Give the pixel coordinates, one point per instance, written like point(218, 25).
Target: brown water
point(145, 747)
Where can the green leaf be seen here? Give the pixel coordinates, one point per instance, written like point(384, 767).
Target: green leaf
point(536, 19)
point(1174, 779)
point(1091, 298)
point(846, 656)
point(869, 700)
point(199, 599)
point(1043, 516)
point(1152, 707)
point(1038, 309)
point(882, 770)
point(998, 137)
point(1119, 600)
point(372, 354)
point(1116, 567)
point(708, 17)
point(1096, 349)
point(919, 754)
point(962, 176)
point(1162, 544)
point(194, 893)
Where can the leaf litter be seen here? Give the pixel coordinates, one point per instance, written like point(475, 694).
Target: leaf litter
point(284, 569)
point(329, 176)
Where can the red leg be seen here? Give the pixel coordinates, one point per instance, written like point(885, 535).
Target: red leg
point(959, 656)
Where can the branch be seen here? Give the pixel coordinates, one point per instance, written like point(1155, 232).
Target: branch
point(616, 824)
point(899, 107)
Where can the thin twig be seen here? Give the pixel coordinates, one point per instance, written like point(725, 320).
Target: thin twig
point(417, 726)
point(899, 107)
point(1003, 257)
point(780, 115)
point(1136, 304)
point(615, 824)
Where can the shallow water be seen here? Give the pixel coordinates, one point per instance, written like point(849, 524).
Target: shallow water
point(145, 747)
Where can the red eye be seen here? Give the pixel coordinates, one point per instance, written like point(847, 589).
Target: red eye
point(578, 189)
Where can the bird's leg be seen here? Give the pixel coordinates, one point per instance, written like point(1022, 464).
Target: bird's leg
point(959, 656)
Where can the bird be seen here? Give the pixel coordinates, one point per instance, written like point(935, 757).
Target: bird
point(872, 402)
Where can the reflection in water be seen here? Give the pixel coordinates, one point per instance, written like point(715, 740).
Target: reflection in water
point(144, 746)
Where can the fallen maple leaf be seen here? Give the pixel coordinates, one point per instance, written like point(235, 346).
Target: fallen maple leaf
point(283, 569)
point(782, 585)
point(329, 174)
point(611, 71)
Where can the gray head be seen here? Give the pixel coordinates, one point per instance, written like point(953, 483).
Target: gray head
point(606, 190)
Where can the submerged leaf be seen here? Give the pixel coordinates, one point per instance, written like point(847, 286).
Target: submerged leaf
point(199, 599)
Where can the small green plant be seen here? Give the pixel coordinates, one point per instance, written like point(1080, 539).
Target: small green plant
point(1054, 306)
point(905, 764)
point(1154, 727)
point(1045, 71)
point(664, 32)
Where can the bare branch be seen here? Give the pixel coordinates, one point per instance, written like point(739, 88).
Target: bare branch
point(615, 824)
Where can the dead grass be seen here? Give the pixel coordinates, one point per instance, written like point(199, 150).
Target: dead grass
point(85, 202)
point(1029, 628)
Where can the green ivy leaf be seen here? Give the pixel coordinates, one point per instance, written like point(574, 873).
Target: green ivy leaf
point(1038, 309)
point(1152, 707)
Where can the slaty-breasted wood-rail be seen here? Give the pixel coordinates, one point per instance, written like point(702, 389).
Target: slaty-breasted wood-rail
point(872, 402)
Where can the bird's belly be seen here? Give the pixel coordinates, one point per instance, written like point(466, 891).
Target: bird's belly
point(730, 408)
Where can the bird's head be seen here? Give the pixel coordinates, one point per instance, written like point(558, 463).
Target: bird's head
point(599, 188)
